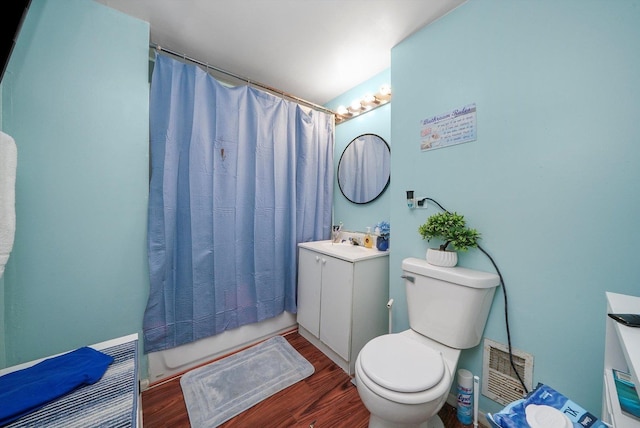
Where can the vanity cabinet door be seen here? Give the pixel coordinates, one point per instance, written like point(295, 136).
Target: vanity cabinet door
point(336, 305)
point(341, 299)
point(309, 286)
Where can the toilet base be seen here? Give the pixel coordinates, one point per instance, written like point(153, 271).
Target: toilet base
point(434, 422)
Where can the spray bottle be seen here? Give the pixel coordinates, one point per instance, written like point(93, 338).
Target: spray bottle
point(465, 396)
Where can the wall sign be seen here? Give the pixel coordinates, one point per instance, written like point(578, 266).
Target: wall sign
point(447, 129)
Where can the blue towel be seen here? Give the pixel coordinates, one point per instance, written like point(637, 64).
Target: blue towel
point(26, 390)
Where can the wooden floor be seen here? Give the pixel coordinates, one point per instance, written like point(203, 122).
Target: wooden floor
point(325, 399)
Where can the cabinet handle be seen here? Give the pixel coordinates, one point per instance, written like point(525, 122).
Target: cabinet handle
point(317, 258)
point(324, 261)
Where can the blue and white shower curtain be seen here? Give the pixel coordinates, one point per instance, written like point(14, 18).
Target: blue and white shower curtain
point(239, 177)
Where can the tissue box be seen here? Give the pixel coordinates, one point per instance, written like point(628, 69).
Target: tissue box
point(514, 416)
point(627, 393)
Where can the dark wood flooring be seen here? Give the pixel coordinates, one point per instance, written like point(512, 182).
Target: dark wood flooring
point(325, 399)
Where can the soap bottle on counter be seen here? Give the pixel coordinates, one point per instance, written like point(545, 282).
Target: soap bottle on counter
point(368, 240)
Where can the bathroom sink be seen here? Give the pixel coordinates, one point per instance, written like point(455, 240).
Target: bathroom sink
point(344, 250)
point(345, 246)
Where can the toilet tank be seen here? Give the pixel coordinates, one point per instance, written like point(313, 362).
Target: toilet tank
point(450, 305)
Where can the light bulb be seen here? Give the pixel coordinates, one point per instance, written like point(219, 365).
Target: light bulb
point(369, 99)
point(355, 105)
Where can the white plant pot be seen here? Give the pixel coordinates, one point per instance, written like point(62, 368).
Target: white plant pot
point(442, 258)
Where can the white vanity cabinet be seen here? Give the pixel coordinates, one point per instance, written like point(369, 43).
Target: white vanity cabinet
point(622, 352)
point(342, 298)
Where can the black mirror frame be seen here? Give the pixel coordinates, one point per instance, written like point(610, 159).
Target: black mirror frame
point(340, 161)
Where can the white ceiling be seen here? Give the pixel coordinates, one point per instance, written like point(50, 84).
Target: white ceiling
point(313, 49)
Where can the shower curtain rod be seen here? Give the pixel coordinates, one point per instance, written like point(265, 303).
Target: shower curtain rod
point(244, 79)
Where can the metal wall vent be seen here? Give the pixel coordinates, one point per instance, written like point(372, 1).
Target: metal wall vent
point(499, 381)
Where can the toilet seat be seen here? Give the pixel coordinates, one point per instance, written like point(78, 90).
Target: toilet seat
point(399, 369)
point(400, 364)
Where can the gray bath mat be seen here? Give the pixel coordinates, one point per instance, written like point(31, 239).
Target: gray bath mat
point(225, 388)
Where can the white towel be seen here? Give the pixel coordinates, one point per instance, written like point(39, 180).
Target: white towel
point(8, 164)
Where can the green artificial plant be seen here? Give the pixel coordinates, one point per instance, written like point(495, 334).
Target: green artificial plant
point(452, 229)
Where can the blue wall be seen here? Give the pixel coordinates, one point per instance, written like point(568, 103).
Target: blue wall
point(358, 217)
point(75, 99)
point(551, 181)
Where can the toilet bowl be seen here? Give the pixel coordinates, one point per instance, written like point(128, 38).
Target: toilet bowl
point(404, 378)
point(410, 391)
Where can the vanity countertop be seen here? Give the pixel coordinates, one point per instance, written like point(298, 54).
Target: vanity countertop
point(345, 251)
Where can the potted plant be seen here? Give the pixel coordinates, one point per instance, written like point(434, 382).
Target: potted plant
point(452, 229)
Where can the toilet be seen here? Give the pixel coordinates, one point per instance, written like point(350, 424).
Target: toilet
point(404, 378)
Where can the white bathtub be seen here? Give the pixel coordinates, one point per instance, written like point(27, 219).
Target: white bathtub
point(166, 364)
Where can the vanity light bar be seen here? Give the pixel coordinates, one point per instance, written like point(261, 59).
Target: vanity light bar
point(367, 103)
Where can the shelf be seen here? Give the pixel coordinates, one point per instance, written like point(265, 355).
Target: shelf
point(622, 352)
point(619, 419)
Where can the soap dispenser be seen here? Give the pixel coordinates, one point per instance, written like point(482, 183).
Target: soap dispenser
point(368, 240)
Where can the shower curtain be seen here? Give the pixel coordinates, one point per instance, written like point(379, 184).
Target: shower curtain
point(239, 177)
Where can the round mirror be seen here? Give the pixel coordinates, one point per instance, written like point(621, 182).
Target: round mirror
point(364, 169)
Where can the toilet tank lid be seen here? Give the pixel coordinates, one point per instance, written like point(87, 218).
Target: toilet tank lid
point(457, 275)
